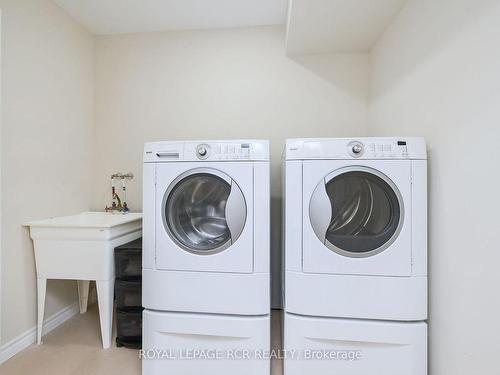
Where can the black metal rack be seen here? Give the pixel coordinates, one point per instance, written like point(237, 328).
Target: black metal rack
point(128, 286)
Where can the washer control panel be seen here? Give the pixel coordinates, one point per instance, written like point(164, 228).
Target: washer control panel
point(233, 150)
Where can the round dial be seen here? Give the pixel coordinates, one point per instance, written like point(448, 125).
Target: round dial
point(355, 148)
point(202, 151)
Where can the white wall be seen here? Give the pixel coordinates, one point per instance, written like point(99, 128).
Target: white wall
point(233, 83)
point(436, 73)
point(46, 145)
point(216, 84)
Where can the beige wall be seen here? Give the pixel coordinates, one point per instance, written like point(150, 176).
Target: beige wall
point(436, 73)
point(198, 85)
point(46, 144)
point(212, 85)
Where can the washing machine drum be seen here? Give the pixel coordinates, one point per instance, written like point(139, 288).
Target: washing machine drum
point(366, 213)
point(195, 213)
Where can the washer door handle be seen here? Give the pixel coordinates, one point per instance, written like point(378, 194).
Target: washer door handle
point(320, 211)
point(236, 211)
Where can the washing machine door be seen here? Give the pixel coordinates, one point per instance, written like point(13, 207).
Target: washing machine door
point(204, 217)
point(356, 212)
point(204, 211)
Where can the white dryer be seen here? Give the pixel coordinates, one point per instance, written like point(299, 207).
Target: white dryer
point(355, 243)
point(356, 228)
point(206, 255)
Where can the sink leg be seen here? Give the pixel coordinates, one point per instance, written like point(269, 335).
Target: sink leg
point(105, 297)
point(41, 288)
point(83, 295)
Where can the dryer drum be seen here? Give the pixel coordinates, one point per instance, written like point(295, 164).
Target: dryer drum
point(366, 212)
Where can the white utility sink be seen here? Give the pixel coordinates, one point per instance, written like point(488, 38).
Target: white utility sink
point(87, 220)
point(81, 247)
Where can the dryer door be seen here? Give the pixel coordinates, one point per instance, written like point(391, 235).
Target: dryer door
point(356, 217)
point(364, 208)
point(204, 217)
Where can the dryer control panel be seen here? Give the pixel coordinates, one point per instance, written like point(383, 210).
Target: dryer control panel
point(356, 148)
point(232, 150)
point(379, 150)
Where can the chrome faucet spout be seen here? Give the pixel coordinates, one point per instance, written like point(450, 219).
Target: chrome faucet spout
point(119, 205)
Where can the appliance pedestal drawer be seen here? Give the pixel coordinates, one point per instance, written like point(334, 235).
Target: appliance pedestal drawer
point(209, 344)
point(325, 346)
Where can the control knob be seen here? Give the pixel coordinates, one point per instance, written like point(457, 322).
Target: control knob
point(202, 151)
point(357, 148)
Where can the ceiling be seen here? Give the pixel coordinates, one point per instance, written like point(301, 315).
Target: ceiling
point(324, 26)
point(133, 16)
point(313, 26)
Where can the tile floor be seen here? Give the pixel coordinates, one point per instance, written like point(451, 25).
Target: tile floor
point(74, 348)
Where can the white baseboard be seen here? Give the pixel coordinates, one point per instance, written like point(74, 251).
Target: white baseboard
point(21, 342)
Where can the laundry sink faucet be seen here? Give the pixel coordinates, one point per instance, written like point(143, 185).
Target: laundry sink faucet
point(117, 203)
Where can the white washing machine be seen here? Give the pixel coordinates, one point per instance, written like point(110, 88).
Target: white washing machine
point(356, 248)
point(206, 251)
